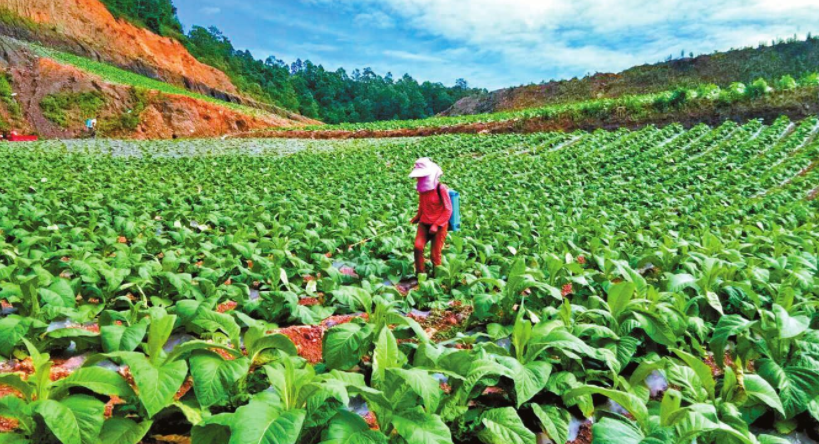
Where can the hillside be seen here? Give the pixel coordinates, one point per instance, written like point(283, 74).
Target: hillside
point(87, 28)
point(722, 68)
point(49, 93)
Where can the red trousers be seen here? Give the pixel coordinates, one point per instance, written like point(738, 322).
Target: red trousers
point(421, 241)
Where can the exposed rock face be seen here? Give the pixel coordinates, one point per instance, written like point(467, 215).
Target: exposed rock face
point(87, 28)
point(165, 116)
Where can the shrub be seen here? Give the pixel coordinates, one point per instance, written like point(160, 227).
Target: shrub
point(129, 120)
point(672, 100)
point(7, 96)
point(811, 79)
point(709, 92)
point(786, 83)
point(758, 89)
point(65, 108)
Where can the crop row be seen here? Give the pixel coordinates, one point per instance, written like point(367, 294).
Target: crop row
point(633, 286)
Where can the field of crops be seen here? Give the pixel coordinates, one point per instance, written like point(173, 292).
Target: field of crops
point(656, 286)
point(637, 107)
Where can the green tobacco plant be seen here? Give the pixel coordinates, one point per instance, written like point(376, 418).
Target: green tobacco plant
point(660, 282)
point(58, 409)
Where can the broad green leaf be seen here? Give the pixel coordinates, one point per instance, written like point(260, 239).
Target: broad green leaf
point(422, 384)
point(614, 431)
point(157, 384)
point(714, 301)
point(213, 430)
point(182, 350)
point(789, 327)
point(261, 423)
point(529, 379)
point(562, 341)
point(158, 334)
point(771, 439)
point(672, 401)
point(417, 427)
point(60, 420)
point(12, 329)
point(619, 295)
point(656, 328)
point(77, 419)
point(97, 379)
point(386, 355)
point(354, 297)
point(256, 341)
point(504, 426)
point(727, 327)
point(349, 428)
point(702, 370)
point(214, 377)
point(678, 282)
point(13, 438)
point(554, 421)
point(343, 346)
point(797, 386)
point(631, 403)
point(212, 321)
point(121, 338)
point(759, 389)
point(124, 431)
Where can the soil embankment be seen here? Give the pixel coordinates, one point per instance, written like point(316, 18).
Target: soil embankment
point(160, 116)
point(87, 28)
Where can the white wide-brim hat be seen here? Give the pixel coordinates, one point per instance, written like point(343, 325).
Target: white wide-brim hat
point(424, 167)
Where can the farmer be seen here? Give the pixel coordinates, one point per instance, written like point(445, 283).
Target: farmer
point(91, 127)
point(434, 211)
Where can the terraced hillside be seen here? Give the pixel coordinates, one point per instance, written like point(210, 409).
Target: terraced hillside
point(615, 286)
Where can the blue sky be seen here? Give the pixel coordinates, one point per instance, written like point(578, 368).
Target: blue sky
point(496, 43)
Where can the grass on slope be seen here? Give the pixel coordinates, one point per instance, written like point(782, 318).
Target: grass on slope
point(122, 77)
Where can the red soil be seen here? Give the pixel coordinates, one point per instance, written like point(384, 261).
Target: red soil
point(165, 115)
point(584, 435)
point(113, 402)
point(91, 25)
point(309, 302)
point(348, 271)
point(438, 323)
point(226, 307)
point(371, 421)
point(307, 338)
point(8, 425)
point(60, 369)
point(9, 391)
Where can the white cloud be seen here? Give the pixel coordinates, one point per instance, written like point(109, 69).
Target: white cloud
point(314, 47)
point(575, 37)
point(377, 19)
point(211, 10)
point(405, 55)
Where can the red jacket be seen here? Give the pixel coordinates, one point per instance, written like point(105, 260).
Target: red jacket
point(432, 209)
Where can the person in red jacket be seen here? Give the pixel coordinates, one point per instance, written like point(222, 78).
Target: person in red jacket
point(434, 211)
